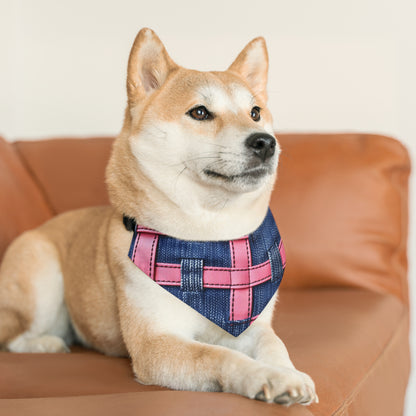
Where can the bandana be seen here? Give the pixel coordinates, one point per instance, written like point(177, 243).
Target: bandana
point(228, 282)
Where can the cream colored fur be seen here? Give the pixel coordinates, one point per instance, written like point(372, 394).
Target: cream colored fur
point(72, 278)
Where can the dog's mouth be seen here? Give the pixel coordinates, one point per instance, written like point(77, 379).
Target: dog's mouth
point(250, 174)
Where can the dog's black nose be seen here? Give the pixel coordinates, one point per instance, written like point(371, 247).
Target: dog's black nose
point(262, 145)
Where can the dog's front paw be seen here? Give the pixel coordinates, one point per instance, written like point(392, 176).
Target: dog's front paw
point(284, 386)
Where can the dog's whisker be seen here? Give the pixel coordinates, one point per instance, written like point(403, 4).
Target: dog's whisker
point(177, 177)
point(214, 144)
point(192, 159)
point(152, 129)
point(154, 126)
point(232, 153)
point(217, 164)
point(202, 157)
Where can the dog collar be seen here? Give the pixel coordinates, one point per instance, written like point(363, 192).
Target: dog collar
point(229, 282)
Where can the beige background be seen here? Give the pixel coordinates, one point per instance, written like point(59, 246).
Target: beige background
point(335, 65)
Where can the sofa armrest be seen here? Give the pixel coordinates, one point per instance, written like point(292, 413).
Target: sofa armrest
point(22, 204)
point(341, 205)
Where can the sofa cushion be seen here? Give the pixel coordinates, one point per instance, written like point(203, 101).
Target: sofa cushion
point(168, 403)
point(342, 338)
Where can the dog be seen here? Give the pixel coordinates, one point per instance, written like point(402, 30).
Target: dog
point(195, 161)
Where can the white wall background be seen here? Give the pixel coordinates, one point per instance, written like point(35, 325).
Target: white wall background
point(335, 65)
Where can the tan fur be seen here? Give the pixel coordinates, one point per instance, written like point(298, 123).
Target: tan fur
point(17, 300)
point(72, 277)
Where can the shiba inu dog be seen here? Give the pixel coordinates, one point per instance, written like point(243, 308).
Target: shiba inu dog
point(196, 160)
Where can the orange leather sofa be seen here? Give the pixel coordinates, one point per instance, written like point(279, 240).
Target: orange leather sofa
point(341, 205)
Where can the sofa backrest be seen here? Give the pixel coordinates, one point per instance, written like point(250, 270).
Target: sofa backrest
point(69, 171)
point(340, 202)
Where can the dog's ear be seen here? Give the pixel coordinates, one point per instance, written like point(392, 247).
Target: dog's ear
point(252, 64)
point(149, 66)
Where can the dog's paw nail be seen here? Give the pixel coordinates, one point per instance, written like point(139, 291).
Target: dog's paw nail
point(267, 392)
point(260, 396)
point(316, 398)
point(264, 394)
point(284, 399)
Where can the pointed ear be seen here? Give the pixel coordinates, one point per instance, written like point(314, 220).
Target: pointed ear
point(252, 65)
point(149, 66)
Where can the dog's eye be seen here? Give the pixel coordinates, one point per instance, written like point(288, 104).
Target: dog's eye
point(255, 113)
point(200, 113)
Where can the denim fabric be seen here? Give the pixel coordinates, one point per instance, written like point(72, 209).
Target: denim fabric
point(173, 250)
point(214, 303)
point(275, 263)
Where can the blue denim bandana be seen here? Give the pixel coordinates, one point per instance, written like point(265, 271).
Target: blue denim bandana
point(229, 282)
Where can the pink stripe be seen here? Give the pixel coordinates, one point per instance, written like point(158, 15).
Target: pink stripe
point(145, 253)
point(148, 230)
point(214, 277)
point(241, 304)
point(240, 253)
point(240, 299)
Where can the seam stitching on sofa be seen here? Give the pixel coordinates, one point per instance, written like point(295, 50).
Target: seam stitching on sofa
point(399, 174)
point(340, 411)
point(404, 220)
point(35, 178)
point(404, 223)
point(403, 172)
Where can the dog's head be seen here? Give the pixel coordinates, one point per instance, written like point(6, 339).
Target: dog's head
point(189, 132)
